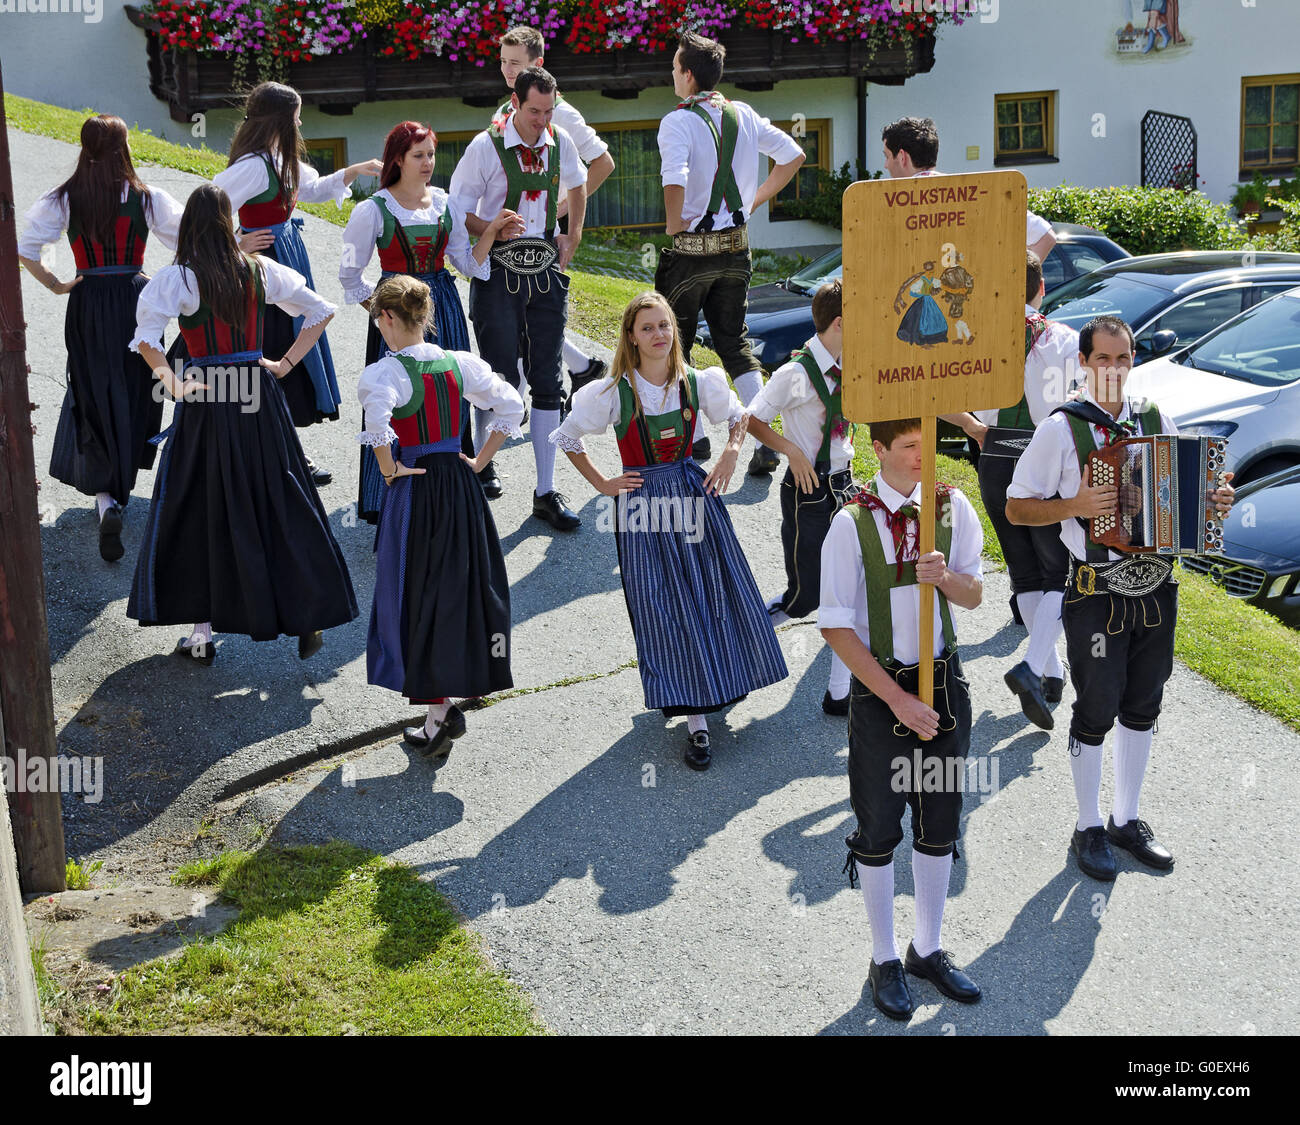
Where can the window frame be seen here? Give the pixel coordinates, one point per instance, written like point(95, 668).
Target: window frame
point(339, 146)
point(822, 127)
point(1021, 156)
point(1271, 168)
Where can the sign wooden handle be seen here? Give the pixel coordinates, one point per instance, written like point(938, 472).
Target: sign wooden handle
point(926, 648)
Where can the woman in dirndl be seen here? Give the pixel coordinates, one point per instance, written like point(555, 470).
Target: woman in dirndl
point(267, 176)
point(440, 626)
point(703, 636)
point(109, 410)
point(416, 231)
point(237, 539)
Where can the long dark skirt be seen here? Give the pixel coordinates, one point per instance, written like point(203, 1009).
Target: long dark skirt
point(448, 330)
point(237, 534)
point(703, 636)
point(109, 411)
point(440, 624)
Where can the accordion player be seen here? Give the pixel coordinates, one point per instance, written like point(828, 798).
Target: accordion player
point(1165, 484)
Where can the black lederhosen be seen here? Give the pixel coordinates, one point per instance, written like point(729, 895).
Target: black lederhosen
point(523, 314)
point(889, 771)
point(1035, 556)
point(805, 520)
point(1121, 652)
point(716, 285)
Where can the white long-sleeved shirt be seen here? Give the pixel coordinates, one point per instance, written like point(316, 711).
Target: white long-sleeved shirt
point(790, 393)
point(248, 177)
point(1052, 372)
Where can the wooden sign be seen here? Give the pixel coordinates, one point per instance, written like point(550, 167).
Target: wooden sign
point(934, 286)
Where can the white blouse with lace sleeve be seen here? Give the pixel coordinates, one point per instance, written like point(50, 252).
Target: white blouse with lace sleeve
point(174, 291)
point(47, 219)
point(248, 177)
point(385, 385)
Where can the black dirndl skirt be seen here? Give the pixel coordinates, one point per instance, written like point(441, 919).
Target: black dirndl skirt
point(449, 330)
point(237, 534)
point(440, 624)
point(110, 410)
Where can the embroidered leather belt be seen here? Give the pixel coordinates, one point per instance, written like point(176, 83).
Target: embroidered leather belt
point(525, 255)
point(711, 242)
point(1133, 577)
point(1002, 441)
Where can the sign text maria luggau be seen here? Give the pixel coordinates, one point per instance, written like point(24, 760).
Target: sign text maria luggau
point(934, 287)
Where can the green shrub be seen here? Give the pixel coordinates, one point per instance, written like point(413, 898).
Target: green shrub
point(1287, 236)
point(1143, 220)
point(826, 205)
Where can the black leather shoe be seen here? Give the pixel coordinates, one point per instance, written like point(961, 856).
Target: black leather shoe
point(1053, 688)
point(205, 652)
point(577, 380)
point(764, 461)
point(438, 744)
point(1093, 853)
point(110, 534)
point(889, 989)
point(320, 477)
point(701, 451)
point(1030, 689)
point(697, 754)
point(554, 509)
point(939, 970)
point(487, 477)
point(1136, 838)
point(833, 706)
point(310, 643)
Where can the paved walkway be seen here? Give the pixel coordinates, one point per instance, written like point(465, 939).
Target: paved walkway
point(626, 893)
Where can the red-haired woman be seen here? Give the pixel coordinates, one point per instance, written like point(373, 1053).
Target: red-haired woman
point(109, 412)
point(416, 231)
point(266, 178)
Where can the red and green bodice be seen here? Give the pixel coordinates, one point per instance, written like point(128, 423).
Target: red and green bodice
point(656, 439)
point(413, 248)
point(434, 411)
point(206, 335)
point(272, 207)
point(125, 246)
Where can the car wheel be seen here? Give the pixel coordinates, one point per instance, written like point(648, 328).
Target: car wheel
point(1264, 467)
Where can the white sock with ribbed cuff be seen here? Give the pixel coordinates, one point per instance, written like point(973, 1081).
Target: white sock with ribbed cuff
point(878, 895)
point(930, 875)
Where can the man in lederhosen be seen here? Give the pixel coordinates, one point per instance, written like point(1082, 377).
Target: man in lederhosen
point(1119, 611)
point(903, 752)
point(524, 163)
point(1036, 558)
point(710, 149)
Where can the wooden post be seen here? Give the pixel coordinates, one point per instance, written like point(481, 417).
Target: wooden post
point(934, 284)
point(26, 697)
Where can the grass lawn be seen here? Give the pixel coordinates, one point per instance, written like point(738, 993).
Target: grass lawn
point(1218, 636)
point(328, 939)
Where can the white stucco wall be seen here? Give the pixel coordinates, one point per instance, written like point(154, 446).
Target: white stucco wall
point(71, 60)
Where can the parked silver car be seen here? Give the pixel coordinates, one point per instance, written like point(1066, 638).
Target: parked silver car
point(1240, 381)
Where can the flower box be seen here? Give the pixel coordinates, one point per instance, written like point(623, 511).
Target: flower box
point(339, 81)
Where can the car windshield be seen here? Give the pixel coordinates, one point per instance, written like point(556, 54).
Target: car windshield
point(826, 268)
point(1078, 302)
point(1262, 347)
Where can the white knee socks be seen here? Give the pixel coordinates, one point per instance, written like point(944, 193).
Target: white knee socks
point(1132, 752)
point(1027, 603)
point(575, 359)
point(540, 426)
point(103, 501)
point(437, 712)
point(1042, 657)
point(696, 723)
point(930, 877)
point(878, 894)
point(1085, 768)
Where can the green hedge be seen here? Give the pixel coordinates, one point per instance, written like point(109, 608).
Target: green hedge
point(1143, 220)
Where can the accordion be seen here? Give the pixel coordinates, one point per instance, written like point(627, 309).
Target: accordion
point(1164, 484)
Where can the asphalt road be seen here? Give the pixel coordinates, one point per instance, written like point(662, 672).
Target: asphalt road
point(625, 892)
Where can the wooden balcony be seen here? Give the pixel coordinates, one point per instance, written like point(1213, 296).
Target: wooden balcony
point(339, 83)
